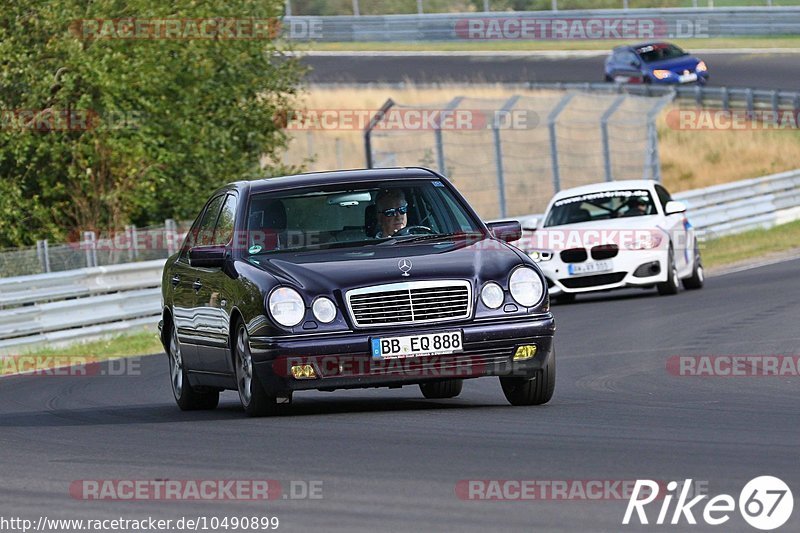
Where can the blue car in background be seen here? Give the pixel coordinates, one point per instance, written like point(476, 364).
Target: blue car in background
point(654, 62)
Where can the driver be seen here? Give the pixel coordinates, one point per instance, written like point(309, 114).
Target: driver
point(391, 211)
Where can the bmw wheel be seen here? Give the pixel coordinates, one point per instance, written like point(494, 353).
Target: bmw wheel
point(698, 274)
point(673, 281)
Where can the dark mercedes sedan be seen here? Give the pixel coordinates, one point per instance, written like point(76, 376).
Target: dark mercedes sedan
point(352, 279)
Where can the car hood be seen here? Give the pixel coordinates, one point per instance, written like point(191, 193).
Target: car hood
point(326, 271)
point(677, 64)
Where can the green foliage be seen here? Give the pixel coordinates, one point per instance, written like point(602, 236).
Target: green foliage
point(99, 133)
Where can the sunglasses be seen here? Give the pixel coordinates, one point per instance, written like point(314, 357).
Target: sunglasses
point(394, 211)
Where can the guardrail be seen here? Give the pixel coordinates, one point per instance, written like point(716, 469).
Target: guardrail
point(79, 304)
point(93, 302)
point(667, 23)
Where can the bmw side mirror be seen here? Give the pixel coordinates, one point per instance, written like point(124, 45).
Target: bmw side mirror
point(674, 207)
point(207, 256)
point(507, 230)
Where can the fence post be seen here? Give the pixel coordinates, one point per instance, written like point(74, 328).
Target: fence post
point(750, 104)
point(356, 10)
point(652, 166)
point(171, 236)
point(776, 108)
point(498, 153)
point(90, 246)
point(726, 100)
point(420, 7)
point(440, 161)
point(46, 256)
point(604, 131)
point(368, 130)
point(486, 7)
point(554, 5)
point(551, 125)
point(288, 8)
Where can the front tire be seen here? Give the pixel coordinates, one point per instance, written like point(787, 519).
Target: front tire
point(673, 281)
point(437, 390)
point(254, 399)
point(534, 391)
point(187, 397)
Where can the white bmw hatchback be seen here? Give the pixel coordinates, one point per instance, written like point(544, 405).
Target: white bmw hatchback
point(615, 235)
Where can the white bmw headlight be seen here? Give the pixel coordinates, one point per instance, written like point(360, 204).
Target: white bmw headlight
point(324, 310)
point(526, 287)
point(286, 306)
point(492, 295)
point(541, 255)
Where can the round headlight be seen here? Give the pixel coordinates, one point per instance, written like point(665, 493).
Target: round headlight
point(526, 287)
point(492, 295)
point(324, 310)
point(286, 306)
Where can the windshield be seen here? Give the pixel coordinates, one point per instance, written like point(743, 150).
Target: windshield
point(659, 52)
point(354, 215)
point(600, 206)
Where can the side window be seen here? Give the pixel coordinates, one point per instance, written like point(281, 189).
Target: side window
point(663, 196)
point(205, 233)
point(629, 58)
point(227, 217)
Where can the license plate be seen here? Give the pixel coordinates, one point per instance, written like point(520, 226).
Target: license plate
point(589, 268)
point(686, 78)
point(417, 345)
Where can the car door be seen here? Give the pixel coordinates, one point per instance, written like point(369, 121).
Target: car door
point(196, 281)
point(676, 225)
point(628, 66)
point(215, 297)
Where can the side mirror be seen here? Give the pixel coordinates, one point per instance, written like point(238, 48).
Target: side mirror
point(207, 256)
point(674, 207)
point(634, 63)
point(507, 230)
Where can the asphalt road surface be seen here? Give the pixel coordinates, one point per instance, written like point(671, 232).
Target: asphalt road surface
point(389, 460)
point(768, 71)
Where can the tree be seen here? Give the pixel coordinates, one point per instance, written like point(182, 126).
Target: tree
point(101, 126)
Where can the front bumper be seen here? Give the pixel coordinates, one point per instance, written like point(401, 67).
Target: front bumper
point(627, 269)
point(344, 360)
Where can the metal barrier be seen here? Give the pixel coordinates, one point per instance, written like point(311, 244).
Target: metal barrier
point(507, 25)
point(79, 304)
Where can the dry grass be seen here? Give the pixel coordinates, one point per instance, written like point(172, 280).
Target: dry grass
point(690, 159)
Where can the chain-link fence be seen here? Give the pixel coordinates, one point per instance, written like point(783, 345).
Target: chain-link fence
point(90, 250)
point(509, 156)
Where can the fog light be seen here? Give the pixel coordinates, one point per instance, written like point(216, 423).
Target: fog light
point(303, 372)
point(525, 352)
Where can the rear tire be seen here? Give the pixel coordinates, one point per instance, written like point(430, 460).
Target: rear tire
point(437, 390)
point(698, 274)
point(673, 281)
point(187, 397)
point(252, 395)
point(534, 391)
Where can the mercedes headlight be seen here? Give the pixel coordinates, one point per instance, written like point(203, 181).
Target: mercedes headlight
point(526, 287)
point(492, 295)
point(286, 306)
point(324, 310)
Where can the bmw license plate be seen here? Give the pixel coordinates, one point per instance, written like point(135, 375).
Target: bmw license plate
point(417, 345)
point(589, 268)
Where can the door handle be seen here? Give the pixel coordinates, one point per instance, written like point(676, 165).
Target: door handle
point(197, 285)
point(176, 280)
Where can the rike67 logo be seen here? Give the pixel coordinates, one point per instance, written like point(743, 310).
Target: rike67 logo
point(765, 503)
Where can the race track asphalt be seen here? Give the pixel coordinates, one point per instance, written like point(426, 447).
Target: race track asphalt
point(389, 460)
point(762, 70)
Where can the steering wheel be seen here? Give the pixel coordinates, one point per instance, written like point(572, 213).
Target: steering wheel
point(414, 230)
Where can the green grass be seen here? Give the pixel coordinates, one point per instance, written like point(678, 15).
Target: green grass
point(751, 244)
point(133, 344)
point(789, 41)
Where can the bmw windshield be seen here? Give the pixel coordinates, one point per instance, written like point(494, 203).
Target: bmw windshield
point(600, 206)
point(355, 215)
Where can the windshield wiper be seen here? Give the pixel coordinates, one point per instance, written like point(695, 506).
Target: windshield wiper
point(436, 236)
